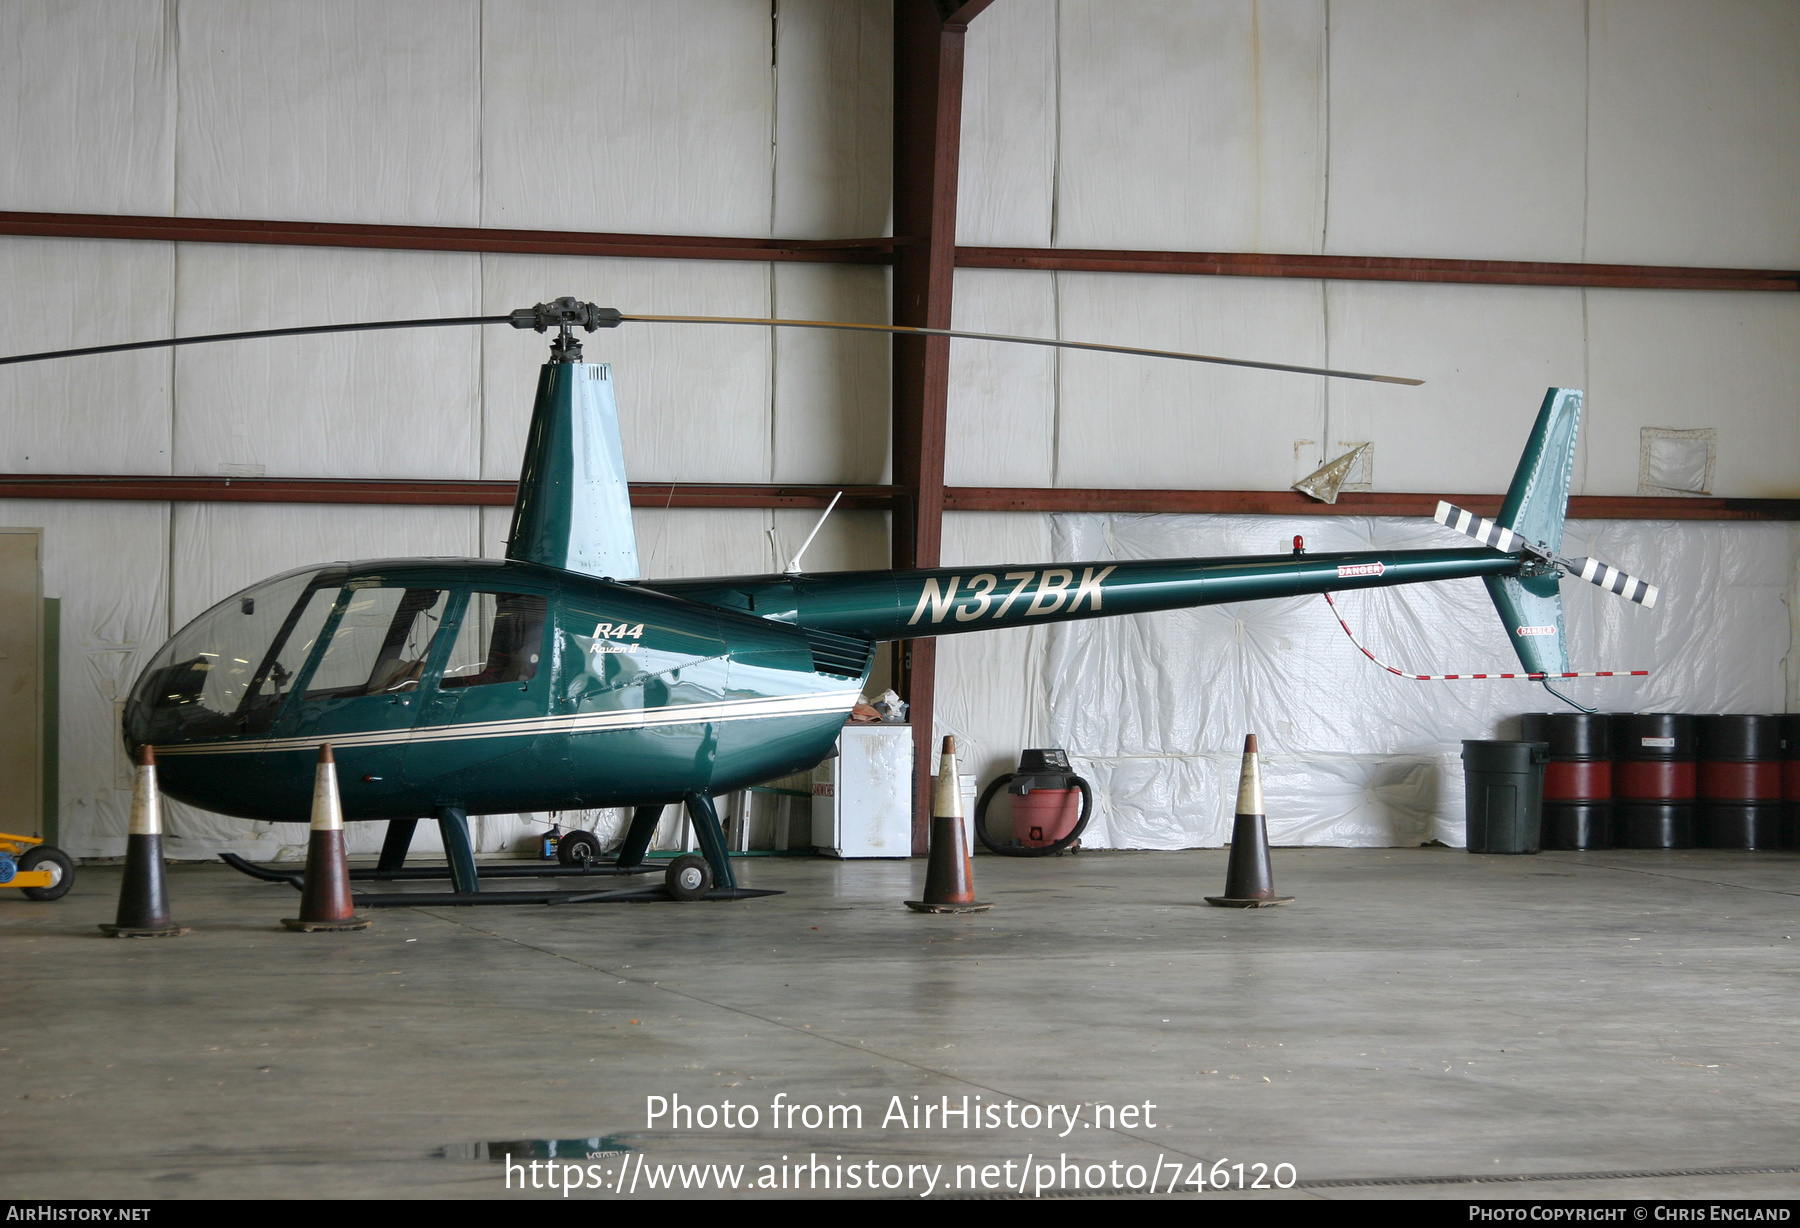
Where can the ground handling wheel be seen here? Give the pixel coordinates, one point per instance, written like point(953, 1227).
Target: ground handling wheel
point(62, 872)
point(578, 848)
point(688, 877)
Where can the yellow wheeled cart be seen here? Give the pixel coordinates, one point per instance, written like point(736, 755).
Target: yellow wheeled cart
point(41, 871)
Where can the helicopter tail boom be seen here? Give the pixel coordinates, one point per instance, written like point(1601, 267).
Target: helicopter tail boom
point(888, 605)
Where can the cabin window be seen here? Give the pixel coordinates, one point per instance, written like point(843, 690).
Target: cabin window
point(220, 675)
point(501, 637)
point(381, 643)
point(291, 651)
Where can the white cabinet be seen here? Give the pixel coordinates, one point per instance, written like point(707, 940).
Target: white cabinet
point(862, 798)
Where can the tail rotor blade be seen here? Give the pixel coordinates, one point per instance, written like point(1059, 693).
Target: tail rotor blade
point(1610, 578)
point(1480, 528)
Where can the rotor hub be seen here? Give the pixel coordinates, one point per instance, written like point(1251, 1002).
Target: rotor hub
point(566, 314)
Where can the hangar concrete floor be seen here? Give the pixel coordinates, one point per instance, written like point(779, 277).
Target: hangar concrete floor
point(1421, 1014)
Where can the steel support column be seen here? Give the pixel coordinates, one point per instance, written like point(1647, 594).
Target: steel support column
point(928, 67)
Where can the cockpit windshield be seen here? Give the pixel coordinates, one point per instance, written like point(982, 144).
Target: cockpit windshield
point(228, 670)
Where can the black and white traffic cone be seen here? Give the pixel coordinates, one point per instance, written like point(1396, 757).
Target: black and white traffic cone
point(1249, 879)
point(949, 875)
point(143, 897)
point(325, 903)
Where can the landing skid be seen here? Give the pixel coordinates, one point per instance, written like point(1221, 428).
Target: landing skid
point(460, 867)
point(630, 895)
point(415, 873)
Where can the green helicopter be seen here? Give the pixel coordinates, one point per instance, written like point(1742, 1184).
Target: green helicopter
point(554, 679)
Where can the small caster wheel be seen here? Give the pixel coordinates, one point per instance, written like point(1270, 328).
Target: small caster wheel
point(688, 877)
point(62, 872)
point(578, 848)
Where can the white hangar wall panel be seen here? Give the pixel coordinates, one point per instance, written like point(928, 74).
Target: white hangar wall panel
point(87, 98)
point(1696, 359)
point(693, 398)
point(1000, 419)
point(1458, 129)
point(1006, 176)
point(397, 404)
point(834, 69)
point(330, 111)
point(107, 414)
point(619, 116)
point(1154, 708)
point(108, 563)
point(830, 389)
point(1134, 422)
point(1486, 354)
point(1189, 126)
point(220, 548)
point(1694, 121)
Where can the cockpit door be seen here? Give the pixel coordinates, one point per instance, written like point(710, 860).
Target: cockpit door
point(361, 687)
point(486, 699)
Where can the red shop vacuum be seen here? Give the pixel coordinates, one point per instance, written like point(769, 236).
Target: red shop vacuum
point(1050, 806)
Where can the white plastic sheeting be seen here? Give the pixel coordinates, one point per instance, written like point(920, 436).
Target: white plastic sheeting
point(1154, 708)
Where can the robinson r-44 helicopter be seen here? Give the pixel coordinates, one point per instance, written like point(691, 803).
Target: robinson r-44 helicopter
point(555, 679)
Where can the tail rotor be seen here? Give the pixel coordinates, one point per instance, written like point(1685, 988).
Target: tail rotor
point(1595, 572)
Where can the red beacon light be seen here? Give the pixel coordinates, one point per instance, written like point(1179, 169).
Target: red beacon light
point(1299, 544)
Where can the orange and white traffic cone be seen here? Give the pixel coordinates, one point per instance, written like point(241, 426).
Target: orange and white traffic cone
point(325, 903)
point(1249, 879)
point(949, 875)
point(143, 895)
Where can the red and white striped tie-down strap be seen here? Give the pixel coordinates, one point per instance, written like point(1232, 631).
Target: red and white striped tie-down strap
point(1401, 673)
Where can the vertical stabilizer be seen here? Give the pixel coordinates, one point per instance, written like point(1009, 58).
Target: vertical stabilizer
point(574, 508)
point(1539, 495)
point(1530, 606)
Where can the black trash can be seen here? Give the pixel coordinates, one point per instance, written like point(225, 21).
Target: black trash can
point(1503, 789)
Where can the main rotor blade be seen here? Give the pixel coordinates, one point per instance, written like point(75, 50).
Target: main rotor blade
point(311, 330)
point(452, 321)
point(1048, 341)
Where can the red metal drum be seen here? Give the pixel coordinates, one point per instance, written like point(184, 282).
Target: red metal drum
point(1724, 781)
point(1655, 780)
point(1578, 780)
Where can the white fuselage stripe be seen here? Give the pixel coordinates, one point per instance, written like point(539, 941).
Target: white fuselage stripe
point(579, 722)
